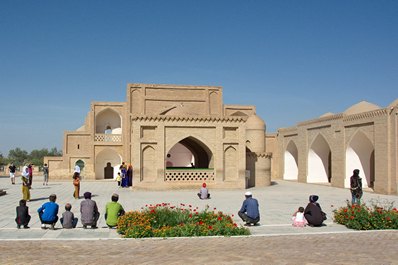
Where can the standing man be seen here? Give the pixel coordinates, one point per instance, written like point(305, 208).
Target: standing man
point(77, 170)
point(12, 169)
point(89, 211)
point(249, 211)
point(45, 174)
point(356, 187)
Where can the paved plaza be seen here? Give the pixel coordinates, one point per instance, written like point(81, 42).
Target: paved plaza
point(274, 241)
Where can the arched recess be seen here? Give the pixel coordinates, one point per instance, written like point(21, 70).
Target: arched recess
point(81, 165)
point(319, 161)
point(250, 168)
point(213, 103)
point(103, 158)
point(291, 162)
point(239, 113)
point(108, 117)
point(360, 155)
point(190, 150)
point(230, 163)
point(148, 172)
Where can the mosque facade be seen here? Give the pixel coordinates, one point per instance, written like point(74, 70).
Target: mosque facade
point(173, 136)
point(178, 136)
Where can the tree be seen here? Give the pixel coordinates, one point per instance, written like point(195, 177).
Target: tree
point(18, 156)
point(3, 160)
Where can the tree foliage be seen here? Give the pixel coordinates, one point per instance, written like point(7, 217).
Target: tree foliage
point(21, 157)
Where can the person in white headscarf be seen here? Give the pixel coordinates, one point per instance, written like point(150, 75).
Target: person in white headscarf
point(25, 184)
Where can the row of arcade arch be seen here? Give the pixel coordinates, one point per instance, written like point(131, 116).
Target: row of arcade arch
point(359, 154)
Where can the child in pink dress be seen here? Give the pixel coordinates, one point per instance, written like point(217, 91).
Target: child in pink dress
point(298, 218)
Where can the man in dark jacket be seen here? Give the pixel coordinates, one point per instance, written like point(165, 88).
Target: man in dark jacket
point(89, 211)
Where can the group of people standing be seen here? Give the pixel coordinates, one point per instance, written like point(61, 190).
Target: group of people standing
point(125, 176)
point(48, 213)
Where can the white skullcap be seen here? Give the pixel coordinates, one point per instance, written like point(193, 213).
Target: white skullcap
point(248, 193)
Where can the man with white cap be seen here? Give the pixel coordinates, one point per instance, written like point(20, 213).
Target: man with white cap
point(249, 211)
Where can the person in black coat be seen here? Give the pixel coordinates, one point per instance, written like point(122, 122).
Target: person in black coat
point(23, 216)
point(313, 212)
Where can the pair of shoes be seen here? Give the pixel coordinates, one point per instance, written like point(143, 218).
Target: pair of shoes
point(18, 226)
point(26, 227)
point(247, 224)
point(94, 227)
point(52, 227)
point(43, 226)
point(84, 226)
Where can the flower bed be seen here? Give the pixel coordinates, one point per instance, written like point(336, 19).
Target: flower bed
point(164, 220)
point(362, 217)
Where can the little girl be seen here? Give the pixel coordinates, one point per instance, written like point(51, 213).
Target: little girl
point(298, 218)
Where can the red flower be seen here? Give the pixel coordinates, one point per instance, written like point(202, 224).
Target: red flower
point(352, 217)
point(235, 225)
point(215, 208)
point(232, 215)
point(345, 210)
point(210, 227)
point(190, 205)
point(190, 216)
point(200, 222)
point(219, 218)
point(388, 218)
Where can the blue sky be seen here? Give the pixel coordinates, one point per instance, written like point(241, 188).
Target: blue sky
point(294, 60)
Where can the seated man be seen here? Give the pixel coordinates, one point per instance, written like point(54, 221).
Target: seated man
point(89, 211)
point(48, 212)
point(204, 192)
point(113, 210)
point(249, 211)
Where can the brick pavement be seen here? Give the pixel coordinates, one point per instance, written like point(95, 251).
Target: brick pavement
point(378, 247)
point(275, 241)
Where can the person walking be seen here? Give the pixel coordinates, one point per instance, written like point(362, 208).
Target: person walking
point(12, 169)
point(30, 170)
point(45, 175)
point(25, 184)
point(76, 185)
point(356, 187)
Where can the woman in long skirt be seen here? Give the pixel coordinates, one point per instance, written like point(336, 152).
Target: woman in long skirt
point(76, 184)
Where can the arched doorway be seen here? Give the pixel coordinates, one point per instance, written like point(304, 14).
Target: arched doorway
point(250, 168)
point(360, 155)
point(230, 163)
point(189, 152)
point(148, 160)
point(319, 161)
point(81, 165)
point(291, 162)
point(107, 158)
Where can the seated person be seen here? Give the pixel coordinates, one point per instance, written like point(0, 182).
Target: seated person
point(204, 192)
point(89, 211)
point(23, 216)
point(68, 219)
point(113, 210)
point(48, 212)
point(313, 212)
point(249, 211)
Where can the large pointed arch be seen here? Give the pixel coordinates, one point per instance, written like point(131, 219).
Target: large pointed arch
point(103, 158)
point(290, 171)
point(108, 117)
point(199, 153)
point(319, 161)
point(360, 155)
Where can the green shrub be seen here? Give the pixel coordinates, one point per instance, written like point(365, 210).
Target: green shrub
point(361, 217)
point(164, 220)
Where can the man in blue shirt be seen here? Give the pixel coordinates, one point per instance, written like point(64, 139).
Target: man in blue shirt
point(48, 212)
point(249, 211)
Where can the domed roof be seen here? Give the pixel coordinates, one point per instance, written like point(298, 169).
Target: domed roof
point(326, 114)
point(254, 122)
point(394, 103)
point(362, 106)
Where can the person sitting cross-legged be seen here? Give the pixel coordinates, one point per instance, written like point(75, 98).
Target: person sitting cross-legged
point(249, 211)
